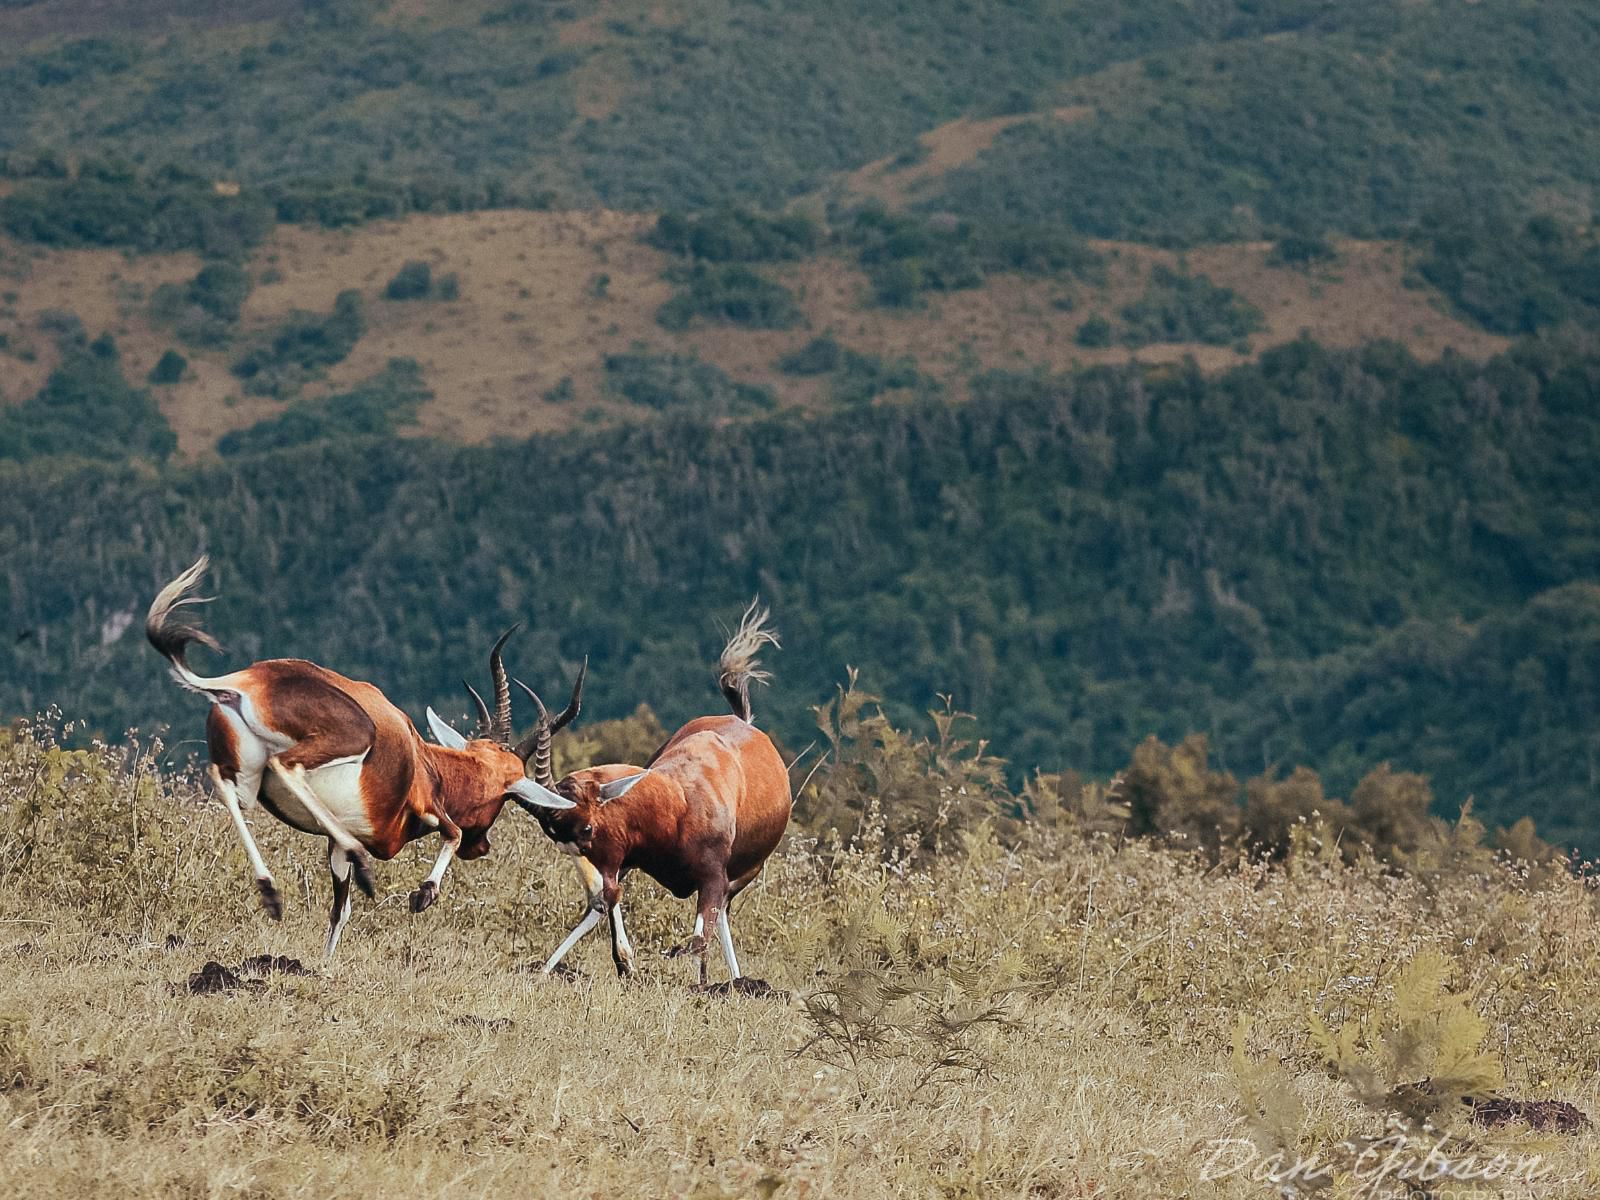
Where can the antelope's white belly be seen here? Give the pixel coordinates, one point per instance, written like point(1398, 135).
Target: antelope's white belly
point(337, 784)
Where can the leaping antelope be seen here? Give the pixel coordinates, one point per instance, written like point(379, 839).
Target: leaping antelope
point(331, 756)
point(701, 817)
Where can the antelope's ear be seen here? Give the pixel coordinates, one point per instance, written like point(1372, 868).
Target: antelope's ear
point(443, 734)
point(619, 788)
point(528, 794)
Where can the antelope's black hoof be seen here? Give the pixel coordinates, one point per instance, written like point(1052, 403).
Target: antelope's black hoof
point(270, 899)
point(424, 896)
point(363, 872)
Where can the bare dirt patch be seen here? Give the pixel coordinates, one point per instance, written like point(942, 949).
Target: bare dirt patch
point(1553, 1116)
point(600, 86)
point(543, 297)
point(1361, 296)
point(941, 150)
point(249, 976)
point(756, 989)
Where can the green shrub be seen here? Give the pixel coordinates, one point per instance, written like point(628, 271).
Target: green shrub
point(86, 409)
point(857, 378)
point(301, 347)
point(1179, 307)
point(1301, 250)
point(169, 368)
point(681, 383)
point(141, 213)
point(817, 357)
point(1512, 277)
point(736, 235)
point(376, 407)
point(204, 311)
point(731, 293)
point(413, 281)
point(905, 256)
point(1095, 333)
point(895, 789)
point(898, 283)
point(862, 378)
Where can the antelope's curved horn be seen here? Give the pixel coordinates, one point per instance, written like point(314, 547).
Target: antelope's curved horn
point(485, 723)
point(501, 731)
point(570, 713)
point(534, 749)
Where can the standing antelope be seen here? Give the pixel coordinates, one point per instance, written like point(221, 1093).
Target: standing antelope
point(331, 756)
point(702, 816)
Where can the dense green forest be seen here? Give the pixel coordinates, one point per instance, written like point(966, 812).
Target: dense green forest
point(1328, 559)
point(1235, 118)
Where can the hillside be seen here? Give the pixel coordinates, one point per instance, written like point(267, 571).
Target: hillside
point(1153, 368)
point(1373, 109)
point(545, 297)
point(1329, 559)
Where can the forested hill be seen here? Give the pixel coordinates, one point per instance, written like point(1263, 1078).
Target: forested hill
point(1226, 117)
point(1328, 558)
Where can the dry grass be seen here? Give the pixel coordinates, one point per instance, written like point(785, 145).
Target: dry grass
point(1063, 1026)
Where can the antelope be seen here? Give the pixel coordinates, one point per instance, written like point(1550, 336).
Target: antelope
point(702, 816)
point(331, 756)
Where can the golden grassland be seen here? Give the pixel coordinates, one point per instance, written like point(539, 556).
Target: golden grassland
point(1048, 1013)
point(546, 296)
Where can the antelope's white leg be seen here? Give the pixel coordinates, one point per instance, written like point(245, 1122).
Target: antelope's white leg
point(339, 865)
point(590, 920)
point(270, 899)
point(594, 889)
point(294, 778)
point(726, 935)
point(446, 853)
point(621, 947)
point(426, 894)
